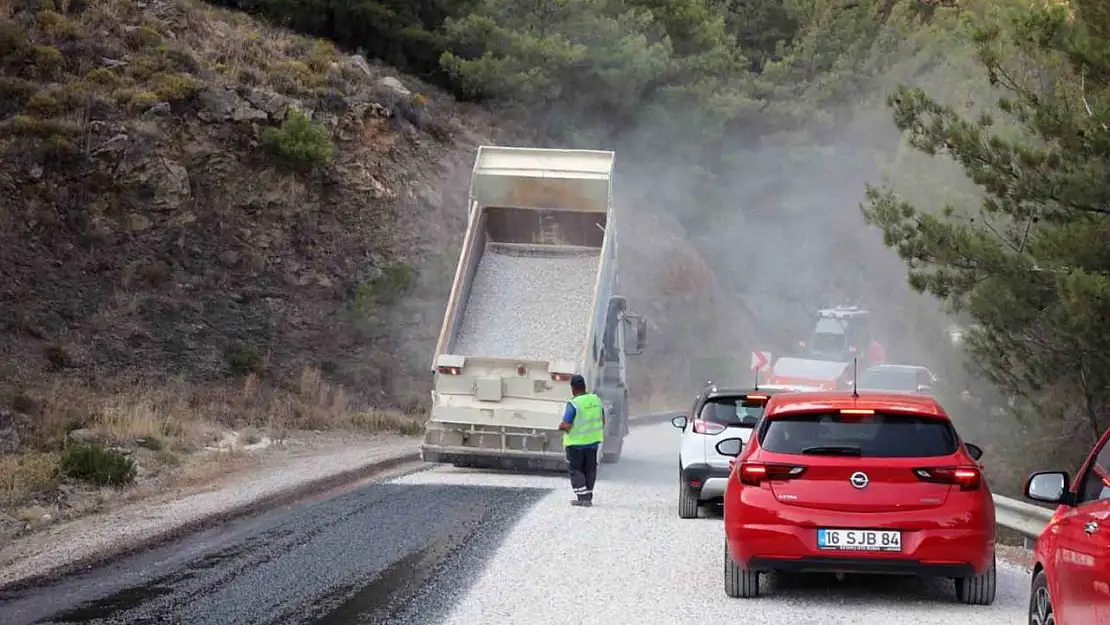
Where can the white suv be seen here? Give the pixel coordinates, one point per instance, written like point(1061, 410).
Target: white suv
point(717, 414)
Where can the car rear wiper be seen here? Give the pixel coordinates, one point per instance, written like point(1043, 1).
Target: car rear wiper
point(834, 450)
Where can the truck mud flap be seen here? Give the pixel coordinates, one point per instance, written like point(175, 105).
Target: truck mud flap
point(491, 459)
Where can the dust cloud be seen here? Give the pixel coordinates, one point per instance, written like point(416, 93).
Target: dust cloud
point(744, 261)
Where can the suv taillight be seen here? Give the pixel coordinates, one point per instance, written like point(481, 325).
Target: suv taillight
point(707, 427)
point(967, 478)
point(755, 473)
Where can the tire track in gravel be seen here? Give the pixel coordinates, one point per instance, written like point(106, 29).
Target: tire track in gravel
point(355, 558)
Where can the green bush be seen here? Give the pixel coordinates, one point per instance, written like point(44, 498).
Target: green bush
point(244, 359)
point(299, 142)
point(99, 466)
point(403, 33)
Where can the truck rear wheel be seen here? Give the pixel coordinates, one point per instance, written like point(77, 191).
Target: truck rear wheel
point(612, 456)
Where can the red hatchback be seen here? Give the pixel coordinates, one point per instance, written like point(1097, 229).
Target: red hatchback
point(1071, 580)
point(868, 483)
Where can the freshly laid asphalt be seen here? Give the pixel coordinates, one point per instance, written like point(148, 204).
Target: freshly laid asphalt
point(355, 558)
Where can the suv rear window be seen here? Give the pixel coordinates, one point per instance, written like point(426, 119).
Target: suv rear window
point(731, 411)
point(882, 435)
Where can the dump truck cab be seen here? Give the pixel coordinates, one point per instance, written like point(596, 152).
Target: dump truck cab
point(840, 334)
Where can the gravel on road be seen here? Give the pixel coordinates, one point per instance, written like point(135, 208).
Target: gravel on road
point(631, 557)
point(529, 306)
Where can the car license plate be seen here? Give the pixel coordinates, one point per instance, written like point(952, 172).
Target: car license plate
point(859, 540)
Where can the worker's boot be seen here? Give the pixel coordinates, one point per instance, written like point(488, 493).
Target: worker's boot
point(581, 503)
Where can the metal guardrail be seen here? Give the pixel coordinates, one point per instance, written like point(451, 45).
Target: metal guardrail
point(1027, 519)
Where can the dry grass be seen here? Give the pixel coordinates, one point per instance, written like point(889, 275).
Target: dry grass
point(178, 426)
point(23, 475)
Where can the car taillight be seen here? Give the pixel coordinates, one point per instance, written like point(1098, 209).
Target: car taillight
point(707, 427)
point(448, 370)
point(560, 377)
point(755, 473)
point(967, 478)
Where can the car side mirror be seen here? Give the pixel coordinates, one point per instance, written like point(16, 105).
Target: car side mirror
point(680, 421)
point(730, 447)
point(975, 451)
point(1047, 487)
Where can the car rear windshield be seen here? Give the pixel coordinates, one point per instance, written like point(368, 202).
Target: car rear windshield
point(882, 435)
point(732, 411)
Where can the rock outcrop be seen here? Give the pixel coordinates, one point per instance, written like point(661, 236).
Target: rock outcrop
point(148, 229)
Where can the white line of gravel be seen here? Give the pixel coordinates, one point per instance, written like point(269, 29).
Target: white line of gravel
point(535, 307)
point(630, 558)
point(136, 523)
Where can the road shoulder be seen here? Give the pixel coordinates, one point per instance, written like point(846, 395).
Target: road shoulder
point(1017, 556)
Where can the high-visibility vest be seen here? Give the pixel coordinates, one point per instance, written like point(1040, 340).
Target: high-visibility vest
point(588, 427)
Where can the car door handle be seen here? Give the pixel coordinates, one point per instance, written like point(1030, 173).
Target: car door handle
point(1091, 527)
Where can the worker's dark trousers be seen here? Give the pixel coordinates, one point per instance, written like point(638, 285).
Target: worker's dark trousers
point(582, 461)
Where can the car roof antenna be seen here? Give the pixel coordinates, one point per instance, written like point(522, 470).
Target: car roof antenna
point(855, 376)
point(756, 380)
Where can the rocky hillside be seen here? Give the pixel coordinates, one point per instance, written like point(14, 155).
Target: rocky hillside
point(188, 197)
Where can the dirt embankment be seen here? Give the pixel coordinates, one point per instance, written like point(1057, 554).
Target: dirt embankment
point(210, 229)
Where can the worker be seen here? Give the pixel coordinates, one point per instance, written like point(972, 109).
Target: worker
point(583, 427)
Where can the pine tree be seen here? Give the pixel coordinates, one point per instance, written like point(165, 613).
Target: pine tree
point(1031, 265)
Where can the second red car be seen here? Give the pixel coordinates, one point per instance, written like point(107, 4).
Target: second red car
point(858, 483)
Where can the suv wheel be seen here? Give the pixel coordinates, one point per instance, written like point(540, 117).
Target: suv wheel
point(1040, 604)
point(977, 590)
point(687, 501)
point(739, 582)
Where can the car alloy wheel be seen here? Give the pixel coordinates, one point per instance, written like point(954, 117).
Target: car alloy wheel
point(1040, 608)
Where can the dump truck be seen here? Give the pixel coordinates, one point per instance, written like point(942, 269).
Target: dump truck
point(533, 302)
point(841, 335)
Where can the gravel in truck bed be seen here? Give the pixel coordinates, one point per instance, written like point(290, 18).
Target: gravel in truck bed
point(529, 306)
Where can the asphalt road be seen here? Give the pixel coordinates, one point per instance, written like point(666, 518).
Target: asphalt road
point(350, 559)
point(449, 546)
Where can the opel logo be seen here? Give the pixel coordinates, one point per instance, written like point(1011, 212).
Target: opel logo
point(859, 479)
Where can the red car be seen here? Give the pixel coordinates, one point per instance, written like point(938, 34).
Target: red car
point(858, 483)
point(1071, 579)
